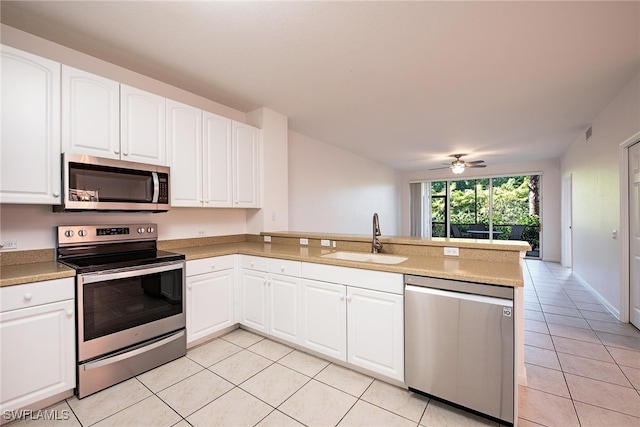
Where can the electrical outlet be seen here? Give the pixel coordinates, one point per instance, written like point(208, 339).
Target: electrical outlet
point(201, 233)
point(9, 244)
point(452, 251)
point(267, 239)
point(304, 241)
point(325, 242)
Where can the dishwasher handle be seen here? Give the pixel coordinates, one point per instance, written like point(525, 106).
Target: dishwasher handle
point(457, 295)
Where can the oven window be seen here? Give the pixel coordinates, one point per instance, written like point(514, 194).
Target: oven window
point(115, 305)
point(104, 184)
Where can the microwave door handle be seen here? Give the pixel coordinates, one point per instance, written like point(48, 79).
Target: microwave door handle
point(156, 187)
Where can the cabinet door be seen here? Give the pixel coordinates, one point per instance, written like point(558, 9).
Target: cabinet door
point(245, 165)
point(209, 304)
point(90, 114)
point(184, 136)
point(324, 318)
point(284, 307)
point(253, 286)
point(30, 144)
point(142, 126)
point(37, 353)
point(376, 331)
point(216, 147)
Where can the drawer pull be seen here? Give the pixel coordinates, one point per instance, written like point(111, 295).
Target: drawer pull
point(28, 296)
point(69, 313)
point(252, 264)
point(213, 266)
point(282, 268)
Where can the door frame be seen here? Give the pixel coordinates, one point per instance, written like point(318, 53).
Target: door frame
point(625, 259)
point(567, 221)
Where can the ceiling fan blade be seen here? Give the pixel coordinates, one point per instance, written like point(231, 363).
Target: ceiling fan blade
point(475, 162)
point(476, 166)
point(435, 169)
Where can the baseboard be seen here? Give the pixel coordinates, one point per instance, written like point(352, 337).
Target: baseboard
point(599, 297)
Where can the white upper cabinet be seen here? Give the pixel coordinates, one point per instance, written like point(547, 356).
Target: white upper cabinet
point(30, 145)
point(217, 169)
point(246, 171)
point(142, 126)
point(214, 160)
point(90, 114)
point(184, 137)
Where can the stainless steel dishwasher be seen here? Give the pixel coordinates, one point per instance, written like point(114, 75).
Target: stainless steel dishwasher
point(459, 344)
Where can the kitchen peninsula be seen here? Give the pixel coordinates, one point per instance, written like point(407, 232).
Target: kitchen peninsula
point(283, 286)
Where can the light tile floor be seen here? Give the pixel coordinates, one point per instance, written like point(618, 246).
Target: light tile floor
point(583, 368)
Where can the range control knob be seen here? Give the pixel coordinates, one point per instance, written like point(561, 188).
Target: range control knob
point(150, 230)
point(82, 233)
point(140, 230)
point(68, 233)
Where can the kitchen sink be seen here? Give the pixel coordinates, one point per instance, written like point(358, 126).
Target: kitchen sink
point(366, 257)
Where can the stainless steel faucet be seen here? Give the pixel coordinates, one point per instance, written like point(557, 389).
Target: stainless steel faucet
point(376, 245)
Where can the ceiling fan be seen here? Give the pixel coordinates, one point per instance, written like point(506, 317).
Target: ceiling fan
point(458, 165)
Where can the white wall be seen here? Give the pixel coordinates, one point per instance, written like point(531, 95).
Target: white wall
point(274, 215)
point(334, 191)
point(550, 195)
point(594, 166)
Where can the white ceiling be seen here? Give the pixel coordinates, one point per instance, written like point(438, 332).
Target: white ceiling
point(402, 83)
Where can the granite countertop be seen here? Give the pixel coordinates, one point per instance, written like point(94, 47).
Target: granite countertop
point(489, 272)
point(33, 272)
point(471, 270)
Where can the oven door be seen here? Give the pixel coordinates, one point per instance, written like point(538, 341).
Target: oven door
point(121, 308)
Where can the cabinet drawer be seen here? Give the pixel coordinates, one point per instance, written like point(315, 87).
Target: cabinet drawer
point(254, 263)
point(207, 265)
point(285, 267)
point(37, 293)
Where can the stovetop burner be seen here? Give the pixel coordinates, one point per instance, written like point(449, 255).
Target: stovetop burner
point(99, 248)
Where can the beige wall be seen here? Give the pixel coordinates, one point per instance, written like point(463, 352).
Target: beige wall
point(334, 191)
point(595, 169)
point(550, 195)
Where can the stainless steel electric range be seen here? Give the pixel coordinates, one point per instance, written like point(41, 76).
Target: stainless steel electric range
point(130, 301)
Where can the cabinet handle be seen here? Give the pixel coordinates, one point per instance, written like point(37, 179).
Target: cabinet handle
point(252, 264)
point(116, 151)
point(213, 266)
point(341, 297)
point(189, 286)
point(69, 313)
point(124, 153)
point(28, 296)
point(348, 299)
point(56, 194)
point(282, 268)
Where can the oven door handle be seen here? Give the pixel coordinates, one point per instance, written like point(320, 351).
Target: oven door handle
point(132, 353)
point(133, 272)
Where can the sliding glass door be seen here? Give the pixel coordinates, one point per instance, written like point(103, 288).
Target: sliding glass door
point(499, 208)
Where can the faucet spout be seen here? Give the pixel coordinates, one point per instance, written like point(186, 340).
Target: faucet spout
point(376, 244)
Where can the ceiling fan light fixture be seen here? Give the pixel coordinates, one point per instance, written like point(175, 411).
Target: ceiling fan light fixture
point(457, 168)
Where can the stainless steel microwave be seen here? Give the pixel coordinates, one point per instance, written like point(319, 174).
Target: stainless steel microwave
point(98, 184)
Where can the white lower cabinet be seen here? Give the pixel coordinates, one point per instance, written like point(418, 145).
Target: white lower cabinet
point(361, 326)
point(210, 297)
point(37, 357)
point(324, 318)
point(253, 285)
point(271, 296)
point(375, 332)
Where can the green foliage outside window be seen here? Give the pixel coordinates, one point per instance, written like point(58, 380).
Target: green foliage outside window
point(515, 201)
